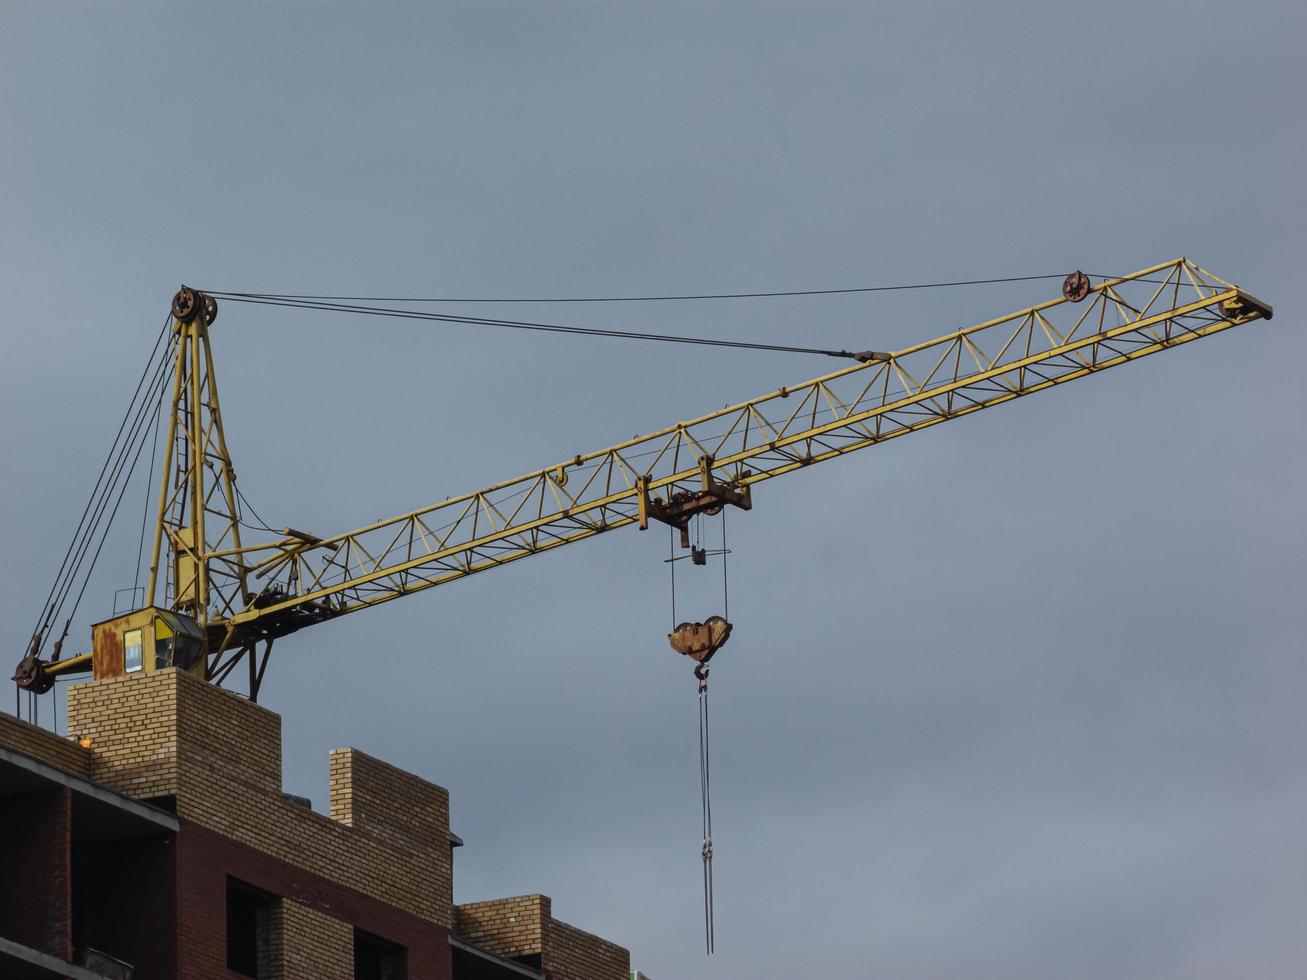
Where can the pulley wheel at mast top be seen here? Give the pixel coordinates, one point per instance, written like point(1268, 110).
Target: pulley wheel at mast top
point(188, 303)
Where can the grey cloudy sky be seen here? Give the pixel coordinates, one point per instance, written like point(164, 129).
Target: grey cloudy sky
point(1018, 697)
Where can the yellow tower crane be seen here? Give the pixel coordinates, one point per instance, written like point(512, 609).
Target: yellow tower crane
point(214, 600)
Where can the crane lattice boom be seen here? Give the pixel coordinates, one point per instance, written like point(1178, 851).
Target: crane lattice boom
point(242, 594)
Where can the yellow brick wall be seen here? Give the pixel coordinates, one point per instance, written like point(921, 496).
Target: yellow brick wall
point(171, 734)
point(132, 724)
point(525, 926)
point(508, 927)
point(310, 945)
point(573, 954)
point(44, 745)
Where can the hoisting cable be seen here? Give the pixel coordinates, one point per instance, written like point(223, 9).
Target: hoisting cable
point(671, 563)
point(726, 592)
point(705, 794)
point(385, 311)
point(699, 553)
point(705, 769)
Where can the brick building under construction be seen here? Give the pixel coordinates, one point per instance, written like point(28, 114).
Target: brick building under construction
point(155, 841)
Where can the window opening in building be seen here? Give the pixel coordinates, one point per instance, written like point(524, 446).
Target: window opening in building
point(377, 959)
point(249, 917)
point(132, 659)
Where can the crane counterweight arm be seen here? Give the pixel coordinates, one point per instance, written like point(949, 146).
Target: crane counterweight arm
point(715, 459)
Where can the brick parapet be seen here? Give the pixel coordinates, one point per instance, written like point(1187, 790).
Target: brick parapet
point(169, 734)
point(44, 745)
point(508, 927)
point(131, 724)
point(574, 954)
point(524, 927)
point(366, 792)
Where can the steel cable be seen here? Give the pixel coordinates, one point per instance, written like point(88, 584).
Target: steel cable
point(632, 299)
point(69, 573)
point(46, 606)
point(149, 485)
point(122, 490)
point(393, 312)
point(705, 792)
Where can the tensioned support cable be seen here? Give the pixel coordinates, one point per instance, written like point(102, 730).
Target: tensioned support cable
point(127, 470)
point(350, 304)
point(633, 299)
point(100, 494)
point(395, 312)
point(110, 489)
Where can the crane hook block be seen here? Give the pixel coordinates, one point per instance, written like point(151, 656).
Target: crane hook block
point(699, 641)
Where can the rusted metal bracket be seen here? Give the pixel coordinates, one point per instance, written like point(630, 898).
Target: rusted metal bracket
point(677, 511)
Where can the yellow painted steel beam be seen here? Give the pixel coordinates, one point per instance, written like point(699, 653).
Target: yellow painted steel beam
point(79, 664)
point(958, 374)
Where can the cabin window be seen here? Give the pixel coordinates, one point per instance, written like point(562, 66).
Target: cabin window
point(132, 656)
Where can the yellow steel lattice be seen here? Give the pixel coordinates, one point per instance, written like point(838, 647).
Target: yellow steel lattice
point(955, 375)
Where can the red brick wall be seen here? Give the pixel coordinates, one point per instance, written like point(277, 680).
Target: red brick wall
point(205, 859)
point(36, 880)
